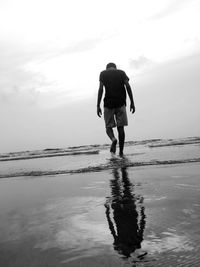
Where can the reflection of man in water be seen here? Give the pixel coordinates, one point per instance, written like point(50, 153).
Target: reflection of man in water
point(127, 228)
point(116, 84)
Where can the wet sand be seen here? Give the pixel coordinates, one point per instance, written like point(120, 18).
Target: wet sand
point(142, 216)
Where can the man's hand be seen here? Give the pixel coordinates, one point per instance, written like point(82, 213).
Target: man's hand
point(132, 108)
point(99, 112)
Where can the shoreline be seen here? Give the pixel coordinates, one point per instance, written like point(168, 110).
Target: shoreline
point(95, 149)
point(118, 162)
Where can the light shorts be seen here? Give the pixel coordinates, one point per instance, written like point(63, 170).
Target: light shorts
point(115, 117)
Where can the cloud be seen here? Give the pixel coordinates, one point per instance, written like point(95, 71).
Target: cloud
point(17, 85)
point(83, 45)
point(16, 97)
point(139, 63)
point(171, 7)
point(74, 47)
point(20, 83)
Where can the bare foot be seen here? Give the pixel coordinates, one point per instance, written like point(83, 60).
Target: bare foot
point(113, 146)
point(121, 154)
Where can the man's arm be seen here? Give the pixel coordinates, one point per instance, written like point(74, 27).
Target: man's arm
point(100, 93)
point(129, 91)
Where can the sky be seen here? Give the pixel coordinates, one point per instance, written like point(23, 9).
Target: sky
point(51, 54)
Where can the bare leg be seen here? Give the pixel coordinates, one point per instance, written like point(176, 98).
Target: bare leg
point(121, 135)
point(111, 135)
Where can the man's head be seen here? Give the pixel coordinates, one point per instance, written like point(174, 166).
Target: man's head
point(111, 65)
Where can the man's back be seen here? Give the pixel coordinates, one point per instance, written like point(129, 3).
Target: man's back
point(115, 93)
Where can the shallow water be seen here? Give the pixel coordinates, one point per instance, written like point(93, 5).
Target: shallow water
point(120, 217)
point(143, 210)
point(97, 158)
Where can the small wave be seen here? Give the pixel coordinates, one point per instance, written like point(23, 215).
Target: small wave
point(94, 149)
point(117, 163)
point(176, 142)
point(36, 156)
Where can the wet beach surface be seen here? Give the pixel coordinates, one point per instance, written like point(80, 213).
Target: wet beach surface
point(123, 216)
point(80, 206)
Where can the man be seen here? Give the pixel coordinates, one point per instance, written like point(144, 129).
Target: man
point(116, 84)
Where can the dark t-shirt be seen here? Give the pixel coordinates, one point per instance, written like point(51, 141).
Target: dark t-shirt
point(115, 92)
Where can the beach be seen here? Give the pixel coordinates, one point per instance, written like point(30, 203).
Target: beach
point(81, 206)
